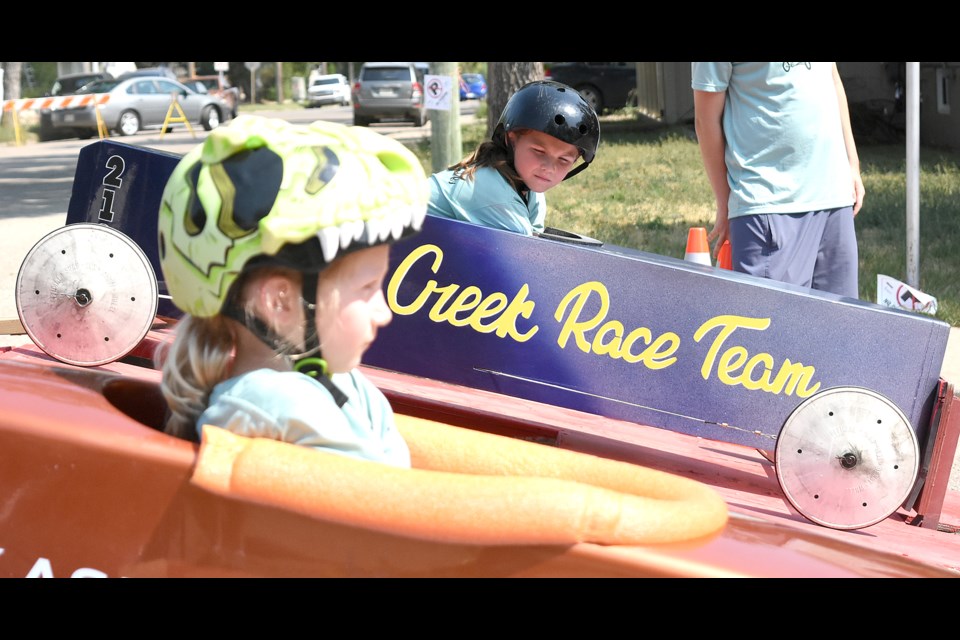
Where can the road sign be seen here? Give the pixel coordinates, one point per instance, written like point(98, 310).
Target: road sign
point(222, 66)
point(438, 91)
point(252, 66)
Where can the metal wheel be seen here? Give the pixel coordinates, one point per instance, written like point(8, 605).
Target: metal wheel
point(847, 458)
point(86, 294)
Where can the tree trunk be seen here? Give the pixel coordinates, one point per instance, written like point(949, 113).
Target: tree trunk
point(505, 78)
point(279, 82)
point(11, 80)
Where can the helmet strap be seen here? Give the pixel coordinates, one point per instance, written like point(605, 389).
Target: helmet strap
point(314, 365)
point(256, 326)
point(310, 363)
point(577, 169)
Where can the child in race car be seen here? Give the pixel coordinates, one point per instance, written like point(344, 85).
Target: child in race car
point(274, 242)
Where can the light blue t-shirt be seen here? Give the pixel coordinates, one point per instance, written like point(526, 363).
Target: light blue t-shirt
point(292, 407)
point(487, 199)
point(784, 139)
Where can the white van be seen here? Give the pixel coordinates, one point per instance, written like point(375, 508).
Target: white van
point(331, 88)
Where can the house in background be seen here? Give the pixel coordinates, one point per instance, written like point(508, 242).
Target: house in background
point(875, 93)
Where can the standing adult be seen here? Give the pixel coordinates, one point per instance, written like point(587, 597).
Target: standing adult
point(779, 153)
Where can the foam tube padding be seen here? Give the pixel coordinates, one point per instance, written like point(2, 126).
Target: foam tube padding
point(465, 487)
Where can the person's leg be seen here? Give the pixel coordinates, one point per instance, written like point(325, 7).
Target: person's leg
point(838, 261)
point(780, 247)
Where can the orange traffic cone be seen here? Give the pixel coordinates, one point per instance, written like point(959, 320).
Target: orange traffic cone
point(698, 250)
point(723, 259)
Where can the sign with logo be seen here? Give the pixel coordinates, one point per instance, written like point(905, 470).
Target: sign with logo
point(252, 66)
point(224, 66)
point(437, 92)
point(641, 337)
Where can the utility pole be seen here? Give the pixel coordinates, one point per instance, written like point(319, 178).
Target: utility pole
point(446, 143)
point(279, 82)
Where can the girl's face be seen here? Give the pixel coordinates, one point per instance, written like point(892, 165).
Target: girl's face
point(351, 307)
point(541, 160)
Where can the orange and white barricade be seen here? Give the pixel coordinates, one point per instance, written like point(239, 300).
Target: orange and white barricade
point(15, 106)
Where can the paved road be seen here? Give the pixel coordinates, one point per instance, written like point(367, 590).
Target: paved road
point(36, 181)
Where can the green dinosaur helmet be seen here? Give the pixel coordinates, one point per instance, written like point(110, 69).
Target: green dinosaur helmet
point(261, 190)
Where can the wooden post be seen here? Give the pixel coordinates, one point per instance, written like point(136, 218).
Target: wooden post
point(279, 82)
point(446, 145)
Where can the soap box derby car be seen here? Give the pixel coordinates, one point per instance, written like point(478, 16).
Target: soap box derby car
point(573, 409)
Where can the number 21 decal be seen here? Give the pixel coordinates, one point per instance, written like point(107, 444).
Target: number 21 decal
point(111, 182)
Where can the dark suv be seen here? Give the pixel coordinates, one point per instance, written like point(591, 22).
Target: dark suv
point(389, 90)
point(604, 85)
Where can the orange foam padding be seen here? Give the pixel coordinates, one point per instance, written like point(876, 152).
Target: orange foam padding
point(466, 487)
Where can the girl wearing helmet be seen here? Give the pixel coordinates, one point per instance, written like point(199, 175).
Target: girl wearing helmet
point(544, 128)
point(273, 241)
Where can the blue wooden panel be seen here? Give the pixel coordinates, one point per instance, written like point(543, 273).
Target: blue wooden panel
point(641, 337)
point(607, 330)
point(121, 185)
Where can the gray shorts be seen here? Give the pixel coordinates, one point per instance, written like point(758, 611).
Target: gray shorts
point(817, 249)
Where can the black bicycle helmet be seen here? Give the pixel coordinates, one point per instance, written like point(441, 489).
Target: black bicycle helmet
point(554, 109)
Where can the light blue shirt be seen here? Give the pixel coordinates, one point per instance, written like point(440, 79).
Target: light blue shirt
point(292, 407)
point(487, 199)
point(784, 138)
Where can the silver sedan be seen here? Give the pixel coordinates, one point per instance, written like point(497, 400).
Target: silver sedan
point(129, 105)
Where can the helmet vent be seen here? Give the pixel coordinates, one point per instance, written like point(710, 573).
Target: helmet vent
point(559, 119)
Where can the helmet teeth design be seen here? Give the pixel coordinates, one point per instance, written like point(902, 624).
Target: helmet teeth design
point(371, 231)
point(350, 231)
point(417, 216)
point(400, 220)
point(329, 242)
point(261, 189)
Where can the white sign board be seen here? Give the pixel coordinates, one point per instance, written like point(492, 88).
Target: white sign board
point(437, 92)
point(252, 66)
point(221, 66)
point(899, 295)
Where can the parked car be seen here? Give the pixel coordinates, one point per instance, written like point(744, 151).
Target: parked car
point(604, 85)
point(64, 85)
point(162, 71)
point(473, 86)
point(389, 91)
point(67, 84)
point(332, 88)
point(136, 103)
point(216, 86)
